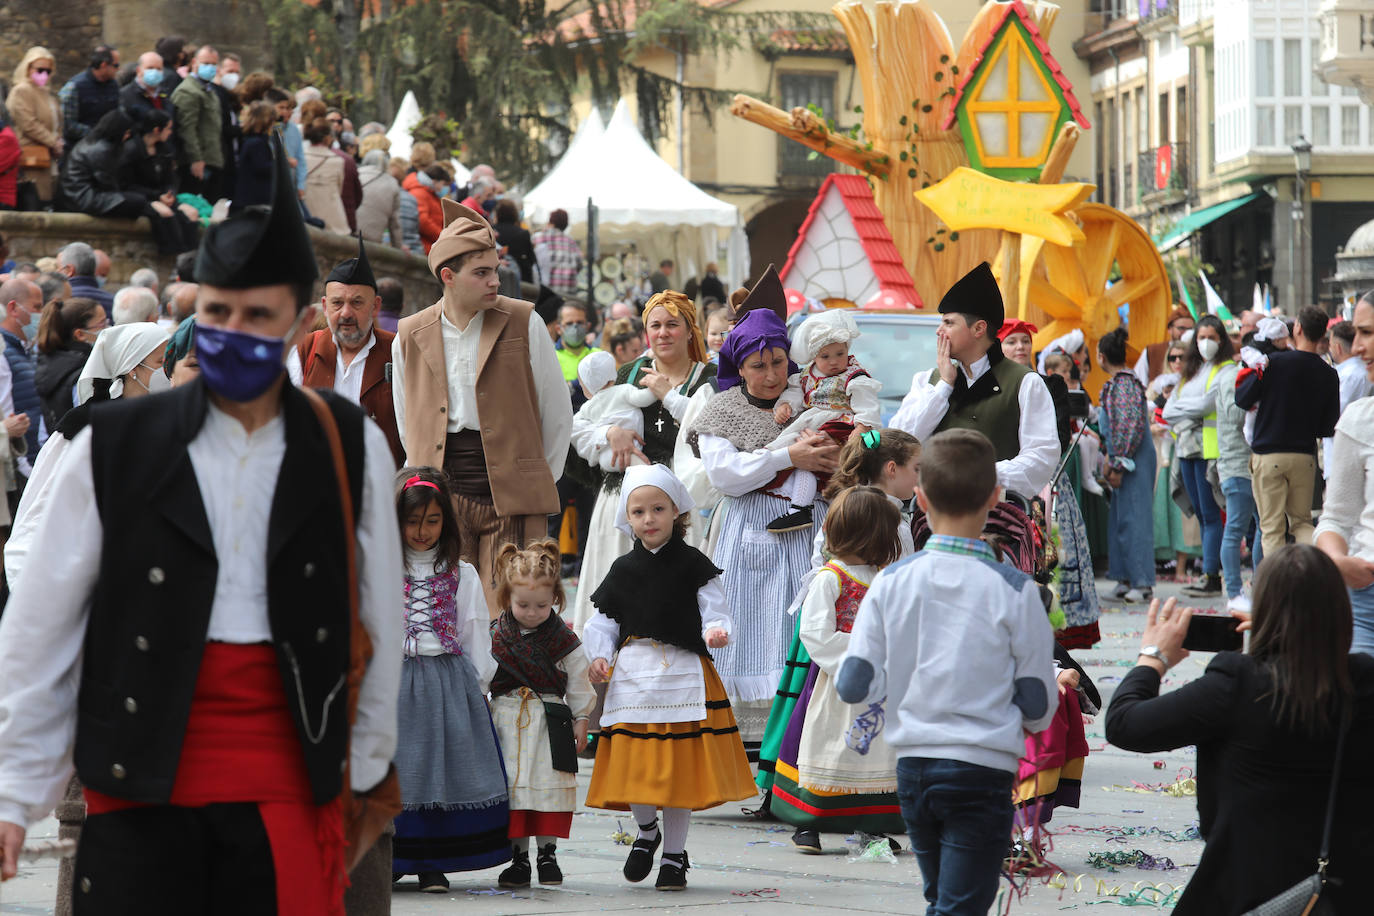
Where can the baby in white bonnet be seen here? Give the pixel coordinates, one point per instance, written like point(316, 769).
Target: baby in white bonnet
point(609, 404)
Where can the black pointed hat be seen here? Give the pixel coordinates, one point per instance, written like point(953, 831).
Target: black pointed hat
point(548, 303)
point(354, 271)
point(262, 244)
point(766, 294)
point(977, 293)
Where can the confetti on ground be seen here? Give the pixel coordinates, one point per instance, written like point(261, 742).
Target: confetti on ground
point(759, 892)
point(1122, 834)
point(1136, 857)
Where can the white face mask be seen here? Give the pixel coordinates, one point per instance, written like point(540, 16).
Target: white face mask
point(157, 380)
point(1208, 348)
point(229, 81)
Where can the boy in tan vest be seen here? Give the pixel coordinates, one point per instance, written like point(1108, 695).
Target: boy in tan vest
point(479, 393)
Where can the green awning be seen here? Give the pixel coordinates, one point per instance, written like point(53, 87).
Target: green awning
point(1199, 218)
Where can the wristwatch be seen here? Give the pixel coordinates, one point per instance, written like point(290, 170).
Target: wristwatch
point(1156, 652)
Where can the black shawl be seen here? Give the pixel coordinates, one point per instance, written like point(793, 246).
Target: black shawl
point(654, 596)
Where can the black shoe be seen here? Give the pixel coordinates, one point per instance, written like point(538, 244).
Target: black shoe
point(517, 874)
point(433, 882)
point(795, 520)
point(672, 872)
point(894, 846)
point(640, 861)
point(1119, 593)
point(547, 862)
point(1209, 587)
point(808, 842)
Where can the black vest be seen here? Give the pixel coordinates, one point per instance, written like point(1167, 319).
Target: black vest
point(151, 606)
point(991, 405)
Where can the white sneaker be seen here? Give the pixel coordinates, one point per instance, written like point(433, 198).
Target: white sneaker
point(1239, 603)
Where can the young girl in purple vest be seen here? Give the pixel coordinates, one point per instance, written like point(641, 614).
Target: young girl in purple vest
point(453, 785)
point(540, 699)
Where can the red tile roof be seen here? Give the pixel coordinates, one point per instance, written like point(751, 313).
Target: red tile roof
point(882, 254)
point(1075, 110)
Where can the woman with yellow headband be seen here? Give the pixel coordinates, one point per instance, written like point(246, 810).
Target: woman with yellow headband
point(674, 369)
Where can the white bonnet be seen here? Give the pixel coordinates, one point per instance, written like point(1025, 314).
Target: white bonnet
point(1270, 329)
point(596, 371)
point(651, 475)
point(819, 331)
point(116, 352)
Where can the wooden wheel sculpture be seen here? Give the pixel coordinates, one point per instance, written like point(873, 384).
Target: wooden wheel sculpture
point(1084, 286)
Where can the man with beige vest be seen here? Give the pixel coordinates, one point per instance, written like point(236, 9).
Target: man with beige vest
point(479, 393)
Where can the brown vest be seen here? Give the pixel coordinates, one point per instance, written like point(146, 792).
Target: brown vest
point(1155, 353)
point(507, 404)
point(319, 357)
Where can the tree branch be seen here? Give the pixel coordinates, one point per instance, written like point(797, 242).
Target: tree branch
point(809, 130)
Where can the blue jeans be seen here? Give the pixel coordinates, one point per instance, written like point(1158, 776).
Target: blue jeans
point(1194, 472)
point(1362, 603)
point(959, 818)
point(1240, 510)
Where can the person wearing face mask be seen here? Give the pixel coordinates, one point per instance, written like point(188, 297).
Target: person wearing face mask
point(199, 127)
point(480, 394)
point(225, 83)
point(146, 91)
point(67, 331)
point(23, 303)
point(352, 356)
point(37, 121)
point(1191, 413)
point(216, 556)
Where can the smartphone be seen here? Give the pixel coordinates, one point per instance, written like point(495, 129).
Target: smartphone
point(1213, 630)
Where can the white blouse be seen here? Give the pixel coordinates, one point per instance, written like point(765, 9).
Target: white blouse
point(1348, 510)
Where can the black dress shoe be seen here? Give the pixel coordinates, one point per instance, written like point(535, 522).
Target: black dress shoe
point(795, 520)
point(672, 872)
point(433, 882)
point(808, 842)
point(547, 863)
point(640, 861)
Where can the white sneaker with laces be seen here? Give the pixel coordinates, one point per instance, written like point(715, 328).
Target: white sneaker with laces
point(1239, 603)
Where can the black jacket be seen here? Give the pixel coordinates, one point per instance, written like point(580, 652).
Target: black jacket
point(135, 101)
point(93, 100)
point(1261, 787)
point(519, 248)
point(147, 176)
point(54, 377)
point(90, 181)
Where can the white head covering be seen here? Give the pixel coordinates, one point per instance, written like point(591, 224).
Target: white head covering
point(596, 371)
point(1069, 344)
point(116, 352)
point(1270, 329)
point(651, 475)
point(820, 331)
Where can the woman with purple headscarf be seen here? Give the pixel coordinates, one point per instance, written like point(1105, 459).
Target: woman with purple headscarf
point(762, 569)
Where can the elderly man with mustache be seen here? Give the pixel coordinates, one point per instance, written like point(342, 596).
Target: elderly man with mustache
point(352, 356)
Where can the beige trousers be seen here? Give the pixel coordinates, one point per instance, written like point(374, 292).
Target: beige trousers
point(1283, 484)
point(484, 533)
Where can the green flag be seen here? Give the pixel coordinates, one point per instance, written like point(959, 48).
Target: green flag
point(1183, 294)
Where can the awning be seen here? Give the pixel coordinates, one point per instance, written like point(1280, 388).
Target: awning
point(1200, 218)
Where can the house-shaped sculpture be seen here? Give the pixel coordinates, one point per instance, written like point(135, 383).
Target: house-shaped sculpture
point(1013, 100)
point(844, 255)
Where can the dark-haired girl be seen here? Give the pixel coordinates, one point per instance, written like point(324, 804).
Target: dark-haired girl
point(1192, 416)
point(821, 784)
point(453, 783)
point(1266, 724)
point(1130, 459)
point(148, 168)
point(66, 334)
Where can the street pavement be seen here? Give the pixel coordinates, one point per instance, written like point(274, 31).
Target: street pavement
point(741, 862)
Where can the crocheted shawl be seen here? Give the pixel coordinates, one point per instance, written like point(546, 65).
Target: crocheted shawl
point(746, 422)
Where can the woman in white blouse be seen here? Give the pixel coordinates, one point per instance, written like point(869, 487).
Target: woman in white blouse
point(1346, 529)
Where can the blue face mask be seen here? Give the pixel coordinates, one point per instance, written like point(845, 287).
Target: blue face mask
point(207, 72)
point(152, 78)
point(31, 329)
point(238, 365)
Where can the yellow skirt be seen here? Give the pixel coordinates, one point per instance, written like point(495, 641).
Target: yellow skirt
point(693, 765)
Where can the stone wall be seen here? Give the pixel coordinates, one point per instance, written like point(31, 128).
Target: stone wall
point(71, 28)
point(130, 245)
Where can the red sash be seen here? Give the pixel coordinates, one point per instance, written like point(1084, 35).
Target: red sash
point(241, 746)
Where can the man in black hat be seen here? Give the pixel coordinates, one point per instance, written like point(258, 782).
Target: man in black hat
point(182, 631)
point(973, 386)
point(352, 356)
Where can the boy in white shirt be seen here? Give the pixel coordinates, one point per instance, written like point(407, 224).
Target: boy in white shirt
point(960, 646)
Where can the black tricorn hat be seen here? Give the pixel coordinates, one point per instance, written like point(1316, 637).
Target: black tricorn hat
point(766, 294)
point(260, 245)
point(354, 271)
point(977, 293)
point(548, 303)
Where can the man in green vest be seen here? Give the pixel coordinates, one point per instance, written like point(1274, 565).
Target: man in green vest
point(973, 386)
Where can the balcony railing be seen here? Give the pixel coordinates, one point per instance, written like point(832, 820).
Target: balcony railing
point(1164, 170)
point(1157, 9)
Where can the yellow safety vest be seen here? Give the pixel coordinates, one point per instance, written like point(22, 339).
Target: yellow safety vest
point(1210, 447)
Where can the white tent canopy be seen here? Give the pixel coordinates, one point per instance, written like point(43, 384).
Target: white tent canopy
point(638, 197)
point(406, 119)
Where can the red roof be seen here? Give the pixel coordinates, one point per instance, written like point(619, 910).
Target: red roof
point(883, 256)
point(1075, 110)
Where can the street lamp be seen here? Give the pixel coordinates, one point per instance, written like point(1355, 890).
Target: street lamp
point(1302, 163)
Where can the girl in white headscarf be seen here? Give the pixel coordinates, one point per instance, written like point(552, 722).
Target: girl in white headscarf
point(126, 361)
